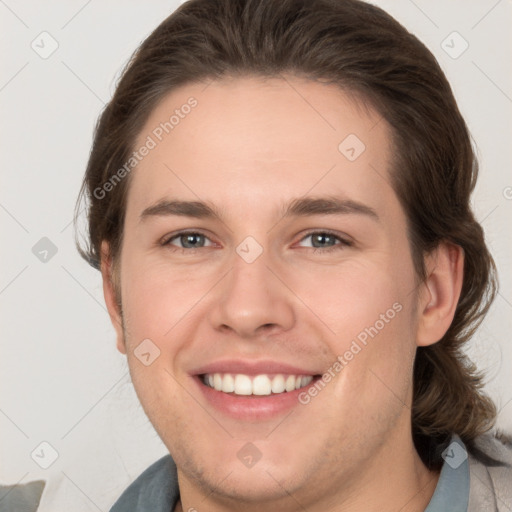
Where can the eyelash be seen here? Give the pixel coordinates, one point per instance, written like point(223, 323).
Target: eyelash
point(337, 246)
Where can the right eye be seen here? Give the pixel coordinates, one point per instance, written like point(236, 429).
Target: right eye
point(187, 240)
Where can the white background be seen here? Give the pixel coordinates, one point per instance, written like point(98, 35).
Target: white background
point(62, 380)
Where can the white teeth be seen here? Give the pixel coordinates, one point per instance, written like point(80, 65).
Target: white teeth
point(290, 383)
point(306, 380)
point(217, 381)
point(278, 384)
point(228, 384)
point(243, 385)
point(260, 385)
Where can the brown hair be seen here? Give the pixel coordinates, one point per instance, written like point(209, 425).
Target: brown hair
point(361, 49)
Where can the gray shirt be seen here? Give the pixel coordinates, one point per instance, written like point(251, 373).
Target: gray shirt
point(466, 483)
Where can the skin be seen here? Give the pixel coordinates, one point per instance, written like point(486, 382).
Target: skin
point(249, 148)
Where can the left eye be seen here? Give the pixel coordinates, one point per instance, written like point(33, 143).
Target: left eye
point(324, 239)
point(188, 240)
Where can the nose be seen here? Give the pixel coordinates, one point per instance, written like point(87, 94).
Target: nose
point(252, 300)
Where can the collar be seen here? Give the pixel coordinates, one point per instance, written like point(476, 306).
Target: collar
point(452, 490)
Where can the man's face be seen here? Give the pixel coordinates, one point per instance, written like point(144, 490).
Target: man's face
point(259, 299)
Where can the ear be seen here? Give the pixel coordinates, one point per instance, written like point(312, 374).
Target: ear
point(110, 295)
point(440, 292)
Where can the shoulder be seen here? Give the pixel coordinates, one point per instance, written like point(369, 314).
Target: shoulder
point(156, 489)
point(490, 467)
point(21, 496)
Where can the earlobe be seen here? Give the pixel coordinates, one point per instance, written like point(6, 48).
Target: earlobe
point(109, 293)
point(440, 292)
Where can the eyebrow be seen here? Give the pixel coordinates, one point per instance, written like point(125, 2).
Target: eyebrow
point(300, 207)
point(330, 205)
point(196, 209)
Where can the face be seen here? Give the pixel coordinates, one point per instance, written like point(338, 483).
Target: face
point(265, 262)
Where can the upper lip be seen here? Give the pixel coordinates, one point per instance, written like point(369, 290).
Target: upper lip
point(248, 367)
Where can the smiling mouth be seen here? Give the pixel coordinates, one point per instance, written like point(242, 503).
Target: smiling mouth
point(255, 385)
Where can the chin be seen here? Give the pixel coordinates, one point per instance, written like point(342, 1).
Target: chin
point(252, 486)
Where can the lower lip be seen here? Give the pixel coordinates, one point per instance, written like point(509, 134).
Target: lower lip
point(252, 407)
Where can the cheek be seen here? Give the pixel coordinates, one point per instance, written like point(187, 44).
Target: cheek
point(154, 311)
point(357, 298)
point(368, 309)
point(155, 299)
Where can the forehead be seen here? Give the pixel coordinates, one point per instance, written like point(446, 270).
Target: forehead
point(253, 141)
